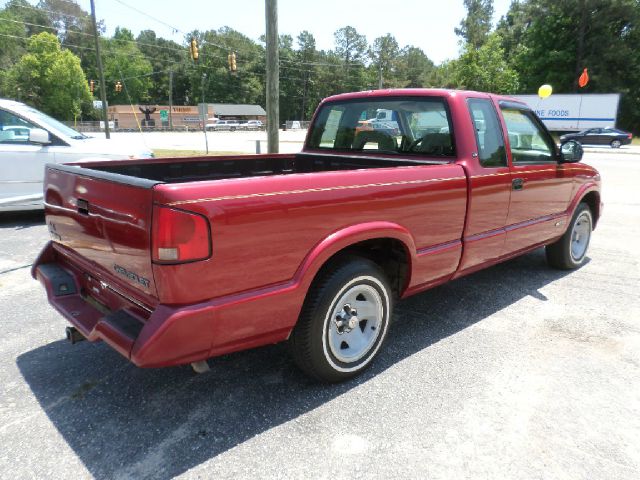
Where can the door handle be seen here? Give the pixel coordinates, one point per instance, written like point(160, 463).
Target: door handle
point(83, 206)
point(517, 183)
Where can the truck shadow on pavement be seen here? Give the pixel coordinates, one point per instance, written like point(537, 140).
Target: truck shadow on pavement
point(122, 421)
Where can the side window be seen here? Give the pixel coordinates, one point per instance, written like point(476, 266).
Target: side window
point(14, 129)
point(331, 128)
point(528, 141)
point(491, 151)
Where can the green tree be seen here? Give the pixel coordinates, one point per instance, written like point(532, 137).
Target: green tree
point(12, 46)
point(246, 85)
point(18, 21)
point(51, 78)
point(123, 61)
point(291, 71)
point(307, 58)
point(164, 56)
point(75, 31)
point(351, 49)
point(475, 27)
point(484, 69)
point(414, 68)
point(33, 20)
point(384, 53)
point(551, 42)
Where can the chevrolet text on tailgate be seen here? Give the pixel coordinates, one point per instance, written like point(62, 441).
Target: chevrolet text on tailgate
point(174, 261)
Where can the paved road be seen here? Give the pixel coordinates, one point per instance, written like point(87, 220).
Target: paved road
point(515, 372)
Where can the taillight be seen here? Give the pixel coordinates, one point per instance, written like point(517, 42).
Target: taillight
point(178, 236)
point(630, 135)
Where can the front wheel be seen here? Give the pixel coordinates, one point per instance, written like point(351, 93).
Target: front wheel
point(343, 322)
point(570, 251)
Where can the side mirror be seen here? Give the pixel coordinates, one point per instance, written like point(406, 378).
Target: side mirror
point(571, 152)
point(38, 135)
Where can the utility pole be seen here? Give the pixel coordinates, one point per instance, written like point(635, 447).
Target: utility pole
point(205, 114)
point(171, 99)
point(103, 87)
point(380, 77)
point(273, 79)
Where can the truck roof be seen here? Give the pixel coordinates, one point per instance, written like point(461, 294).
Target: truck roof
point(416, 92)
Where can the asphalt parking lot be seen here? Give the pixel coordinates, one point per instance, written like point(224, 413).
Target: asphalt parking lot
point(516, 372)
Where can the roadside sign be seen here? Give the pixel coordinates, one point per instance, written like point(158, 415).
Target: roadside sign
point(97, 104)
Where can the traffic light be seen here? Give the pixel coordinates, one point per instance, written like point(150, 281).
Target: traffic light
point(118, 86)
point(92, 85)
point(232, 62)
point(193, 49)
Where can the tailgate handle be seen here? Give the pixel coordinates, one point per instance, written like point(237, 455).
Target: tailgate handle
point(83, 207)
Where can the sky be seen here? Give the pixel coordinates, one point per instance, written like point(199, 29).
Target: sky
point(427, 24)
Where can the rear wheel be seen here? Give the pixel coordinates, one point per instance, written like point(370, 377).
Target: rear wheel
point(343, 322)
point(570, 250)
point(615, 143)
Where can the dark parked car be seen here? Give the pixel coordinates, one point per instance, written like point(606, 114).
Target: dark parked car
point(600, 136)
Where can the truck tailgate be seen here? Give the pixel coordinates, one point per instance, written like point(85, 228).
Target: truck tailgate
point(104, 218)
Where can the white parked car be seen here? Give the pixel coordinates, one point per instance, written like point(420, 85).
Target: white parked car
point(29, 139)
point(253, 125)
point(230, 125)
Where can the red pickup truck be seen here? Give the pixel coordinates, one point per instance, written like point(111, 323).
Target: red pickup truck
point(174, 261)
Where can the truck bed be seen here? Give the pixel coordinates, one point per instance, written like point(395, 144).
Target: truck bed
point(176, 170)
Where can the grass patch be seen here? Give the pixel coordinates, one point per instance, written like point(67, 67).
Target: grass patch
point(167, 153)
point(635, 141)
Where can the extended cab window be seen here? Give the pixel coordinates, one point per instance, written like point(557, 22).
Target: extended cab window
point(529, 142)
point(412, 125)
point(491, 152)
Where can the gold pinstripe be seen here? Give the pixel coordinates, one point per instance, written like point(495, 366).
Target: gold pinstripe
point(584, 170)
point(314, 190)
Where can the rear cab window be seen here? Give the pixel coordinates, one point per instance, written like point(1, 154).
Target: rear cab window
point(395, 126)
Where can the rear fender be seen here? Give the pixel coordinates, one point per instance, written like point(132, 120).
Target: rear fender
point(346, 237)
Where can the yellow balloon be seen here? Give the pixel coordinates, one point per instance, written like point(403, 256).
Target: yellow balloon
point(545, 90)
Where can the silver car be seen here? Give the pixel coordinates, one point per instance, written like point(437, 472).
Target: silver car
point(230, 125)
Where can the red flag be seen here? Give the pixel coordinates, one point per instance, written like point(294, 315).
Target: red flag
point(584, 79)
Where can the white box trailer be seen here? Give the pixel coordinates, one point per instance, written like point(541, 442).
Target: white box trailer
point(574, 112)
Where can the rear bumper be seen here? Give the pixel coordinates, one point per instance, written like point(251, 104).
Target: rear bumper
point(161, 335)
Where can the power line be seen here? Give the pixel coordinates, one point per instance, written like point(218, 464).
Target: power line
point(205, 42)
point(76, 32)
point(46, 41)
point(175, 29)
point(37, 9)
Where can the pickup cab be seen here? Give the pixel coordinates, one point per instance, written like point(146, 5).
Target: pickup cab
point(175, 261)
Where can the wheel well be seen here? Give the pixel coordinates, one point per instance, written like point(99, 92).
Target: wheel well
point(389, 254)
point(592, 199)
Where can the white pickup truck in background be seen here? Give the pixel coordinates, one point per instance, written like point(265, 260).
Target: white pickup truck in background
point(29, 139)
